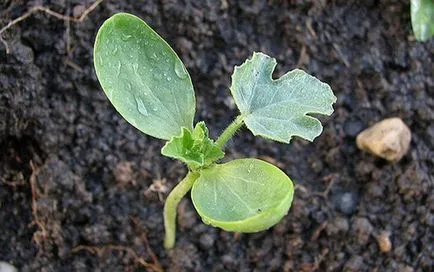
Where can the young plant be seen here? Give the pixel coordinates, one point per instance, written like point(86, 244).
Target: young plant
point(149, 86)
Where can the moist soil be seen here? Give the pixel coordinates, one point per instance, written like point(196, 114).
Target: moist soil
point(82, 190)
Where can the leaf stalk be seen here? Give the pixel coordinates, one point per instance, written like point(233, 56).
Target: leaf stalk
point(229, 131)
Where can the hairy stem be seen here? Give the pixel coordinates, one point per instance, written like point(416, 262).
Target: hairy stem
point(171, 205)
point(229, 132)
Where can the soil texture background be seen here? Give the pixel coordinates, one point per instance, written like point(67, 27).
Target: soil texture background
point(82, 190)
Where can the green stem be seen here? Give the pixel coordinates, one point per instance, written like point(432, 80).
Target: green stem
point(171, 205)
point(229, 132)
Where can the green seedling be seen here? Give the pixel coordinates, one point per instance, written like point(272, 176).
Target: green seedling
point(149, 86)
point(422, 19)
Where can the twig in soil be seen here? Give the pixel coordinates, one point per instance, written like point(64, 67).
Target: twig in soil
point(310, 28)
point(331, 179)
point(49, 12)
point(341, 55)
point(101, 250)
point(144, 237)
point(73, 65)
point(318, 231)
point(42, 233)
point(13, 183)
point(311, 267)
point(303, 56)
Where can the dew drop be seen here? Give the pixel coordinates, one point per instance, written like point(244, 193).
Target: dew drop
point(118, 69)
point(136, 68)
point(110, 94)
point(115, 49)
point(250, 168)
point(180, 70)
point(158, 76)
point(168, 78)
point(154, 109)
point(126, 37)
point(141, 106)
point(154, 56)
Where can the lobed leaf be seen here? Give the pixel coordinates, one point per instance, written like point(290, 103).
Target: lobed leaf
point(422, 19)
point(277, 109)
point(143, 77)
point(195, 148)
point(246, 195)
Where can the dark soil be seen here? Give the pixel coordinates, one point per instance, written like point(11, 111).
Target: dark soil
point(91, 172)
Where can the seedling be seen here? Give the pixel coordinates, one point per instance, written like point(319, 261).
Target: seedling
point(149, 86)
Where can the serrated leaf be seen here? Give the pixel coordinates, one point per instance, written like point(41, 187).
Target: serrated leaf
point(195, 148)
point(246, 195)
point(143, 77)
point(277, 109)
point(422, 19)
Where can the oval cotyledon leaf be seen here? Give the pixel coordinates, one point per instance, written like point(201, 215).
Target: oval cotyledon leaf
point(143, 77)
point(245, 195)
point(277, 109)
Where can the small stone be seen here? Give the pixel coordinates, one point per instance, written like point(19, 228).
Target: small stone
point(388, 139)
point(347, 202)
point(6, 267)
point(384, 243)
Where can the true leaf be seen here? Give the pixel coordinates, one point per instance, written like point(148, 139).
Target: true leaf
point(246, 195)
point(143, 77)
point(277, 109)
point(422, 19)
point(194, 148)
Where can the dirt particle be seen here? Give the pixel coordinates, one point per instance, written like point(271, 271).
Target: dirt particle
point(124, 173)
point(384, 243)
point(362, 228)
point(355, 263)
point(206, 240)
point(337, 226)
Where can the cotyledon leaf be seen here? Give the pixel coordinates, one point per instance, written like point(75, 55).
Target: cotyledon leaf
point(143, 77)
point(245, 195)
point(277, 109)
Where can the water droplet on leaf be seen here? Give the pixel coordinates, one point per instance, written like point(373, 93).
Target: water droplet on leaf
point(126, 37)
point(158, 76)
point(180, 70)
point(141, 106)
point(250, 168)
point(135, 68)
point(118, 69)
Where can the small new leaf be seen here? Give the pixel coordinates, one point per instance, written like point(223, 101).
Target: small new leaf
point(195, 148)
point(277, 109)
